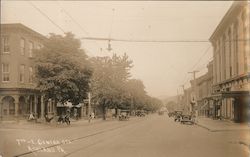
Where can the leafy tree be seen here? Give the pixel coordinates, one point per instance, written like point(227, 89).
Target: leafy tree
point(109, 79)
point(62, 69)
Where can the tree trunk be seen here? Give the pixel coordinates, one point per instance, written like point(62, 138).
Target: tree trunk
point(116, 112)
point(104, 111)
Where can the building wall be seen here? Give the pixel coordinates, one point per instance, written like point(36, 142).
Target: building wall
point(15, 59)
point(231, 52)
point(231, 45)
point(19, 97)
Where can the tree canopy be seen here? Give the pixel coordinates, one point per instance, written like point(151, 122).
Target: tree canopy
point(62, 69)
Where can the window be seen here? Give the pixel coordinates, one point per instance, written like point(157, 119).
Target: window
point(22, 45)
point(5, 72)
point(31, 47)
point(5, 42)
point(30, 74)
point(21, 78)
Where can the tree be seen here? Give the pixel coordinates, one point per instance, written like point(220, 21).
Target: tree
point(62, 69)
point(109, 79)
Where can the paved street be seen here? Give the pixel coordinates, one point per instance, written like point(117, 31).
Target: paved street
point(151, 136)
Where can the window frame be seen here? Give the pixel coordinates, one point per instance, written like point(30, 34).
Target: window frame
point(31, 75)
point(4, 73)
point(22, 48)
point(31, 48)
point(21, 73)
point(6, 45)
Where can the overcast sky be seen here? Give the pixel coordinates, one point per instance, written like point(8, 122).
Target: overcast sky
point(163, 67)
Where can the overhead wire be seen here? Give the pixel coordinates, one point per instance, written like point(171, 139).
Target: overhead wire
point(77, 23)
point(45, 15)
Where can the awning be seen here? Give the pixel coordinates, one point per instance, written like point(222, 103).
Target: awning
point(232, 94)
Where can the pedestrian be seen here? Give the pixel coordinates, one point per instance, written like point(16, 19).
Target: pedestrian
point(31, 117)
point(89, 118)
point(92, 115)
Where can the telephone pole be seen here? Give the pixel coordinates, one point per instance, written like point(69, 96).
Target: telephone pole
point(194, 83)
point(194, 72)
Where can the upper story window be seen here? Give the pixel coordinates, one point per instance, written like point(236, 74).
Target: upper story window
point(5, 72)
point(31, 47)
point(22, 45)
point(21, 74)
point(5, 43)
point(30, 74)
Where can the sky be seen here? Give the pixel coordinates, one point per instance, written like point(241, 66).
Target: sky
point(163, 67)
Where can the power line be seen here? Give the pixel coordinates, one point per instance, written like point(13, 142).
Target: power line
point(45, 15)
point(192, 69)
point(77, 23)
point(205, 52)
point(142, 40)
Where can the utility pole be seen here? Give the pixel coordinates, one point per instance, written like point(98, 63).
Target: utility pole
point(183, 88)
point(194, 72)
point(89, 104)
point(194, 87)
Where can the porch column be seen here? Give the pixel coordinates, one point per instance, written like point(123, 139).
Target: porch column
point(29, 102)
point(42, 106)
point(35, 104)
point(16, 102)
point(1, 104)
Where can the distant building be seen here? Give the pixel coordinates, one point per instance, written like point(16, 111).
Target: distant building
point(231, 52)
point(187, 100)
point(204, 92)
point(18, 94)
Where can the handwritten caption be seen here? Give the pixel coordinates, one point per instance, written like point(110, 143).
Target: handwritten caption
point(40, 145)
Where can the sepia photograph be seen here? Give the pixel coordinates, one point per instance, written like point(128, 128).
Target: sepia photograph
point(81, 78)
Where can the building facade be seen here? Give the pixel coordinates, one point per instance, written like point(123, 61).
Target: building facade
point(204, 92)
point(231, 53)
point(18, 94)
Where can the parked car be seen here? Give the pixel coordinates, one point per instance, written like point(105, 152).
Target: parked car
point(171, 114)
point(160, 113)
point(124, 115)
point(177, 116)
point(140, 113)
point(187, 119)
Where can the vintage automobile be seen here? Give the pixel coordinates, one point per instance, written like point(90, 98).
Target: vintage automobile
point(160, 113)
point(171, 114)
point(140, 113)
point(187, 119)
point(124, 115)
point(177, 116)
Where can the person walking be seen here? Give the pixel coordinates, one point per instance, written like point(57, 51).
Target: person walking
point(91, 116)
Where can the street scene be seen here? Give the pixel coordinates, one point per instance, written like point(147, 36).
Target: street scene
point(125, 78)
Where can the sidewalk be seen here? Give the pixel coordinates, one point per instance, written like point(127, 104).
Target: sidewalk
point(223, 125)
point(24, 124)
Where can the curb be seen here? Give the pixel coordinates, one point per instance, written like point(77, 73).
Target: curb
point(203, 126)
point(219, 130)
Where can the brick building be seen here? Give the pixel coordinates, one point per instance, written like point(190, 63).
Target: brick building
point(18, 94)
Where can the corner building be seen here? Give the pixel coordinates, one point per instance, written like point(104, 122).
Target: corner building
point(18, 94)
point(231, 69)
